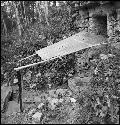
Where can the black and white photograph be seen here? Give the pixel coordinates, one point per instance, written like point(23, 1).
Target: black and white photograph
point(60, 62)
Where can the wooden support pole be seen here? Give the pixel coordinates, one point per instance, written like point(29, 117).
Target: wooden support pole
point(27, 57)
point(20, 89)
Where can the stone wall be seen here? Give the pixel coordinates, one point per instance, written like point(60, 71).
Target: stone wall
point(113, 26)
point(103, 20)
point(82, 22)
point(98, 25)
point(109, 27)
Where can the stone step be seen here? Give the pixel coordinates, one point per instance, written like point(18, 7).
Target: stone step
point(13, 108)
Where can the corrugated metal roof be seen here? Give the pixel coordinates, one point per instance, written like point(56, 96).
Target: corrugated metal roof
point(69, 45)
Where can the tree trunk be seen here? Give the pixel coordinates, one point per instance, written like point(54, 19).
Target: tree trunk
point(22, 9)
point(38, 9)
point(25, 19)
point(54, 3)
point(46, 11)
point(20, 89)
point(18, 20)
point(5, 27)
point(33, 12)
point(4, 24)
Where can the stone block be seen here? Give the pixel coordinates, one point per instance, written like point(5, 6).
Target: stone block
point(13, 108)
point(37, 116)
point(6, 92)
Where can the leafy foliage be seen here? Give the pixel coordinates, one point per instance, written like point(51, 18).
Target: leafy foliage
point(35, 35)
point(103, 93)
point(97, 102)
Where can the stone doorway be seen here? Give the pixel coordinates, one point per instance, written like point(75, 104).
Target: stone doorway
point(98, 25)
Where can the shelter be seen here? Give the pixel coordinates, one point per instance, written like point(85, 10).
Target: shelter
point(67, 46)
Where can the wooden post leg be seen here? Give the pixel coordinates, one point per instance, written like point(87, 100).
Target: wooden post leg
point(20, 89)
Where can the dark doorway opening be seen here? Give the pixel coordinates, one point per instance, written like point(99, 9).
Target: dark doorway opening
point(101, 25)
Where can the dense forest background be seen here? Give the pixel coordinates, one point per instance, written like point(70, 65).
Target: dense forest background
point(27, 26)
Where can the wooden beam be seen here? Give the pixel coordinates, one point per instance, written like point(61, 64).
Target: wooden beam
point(67, 46)
point(27, 57)
point(22, 67)
point(20, 89)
